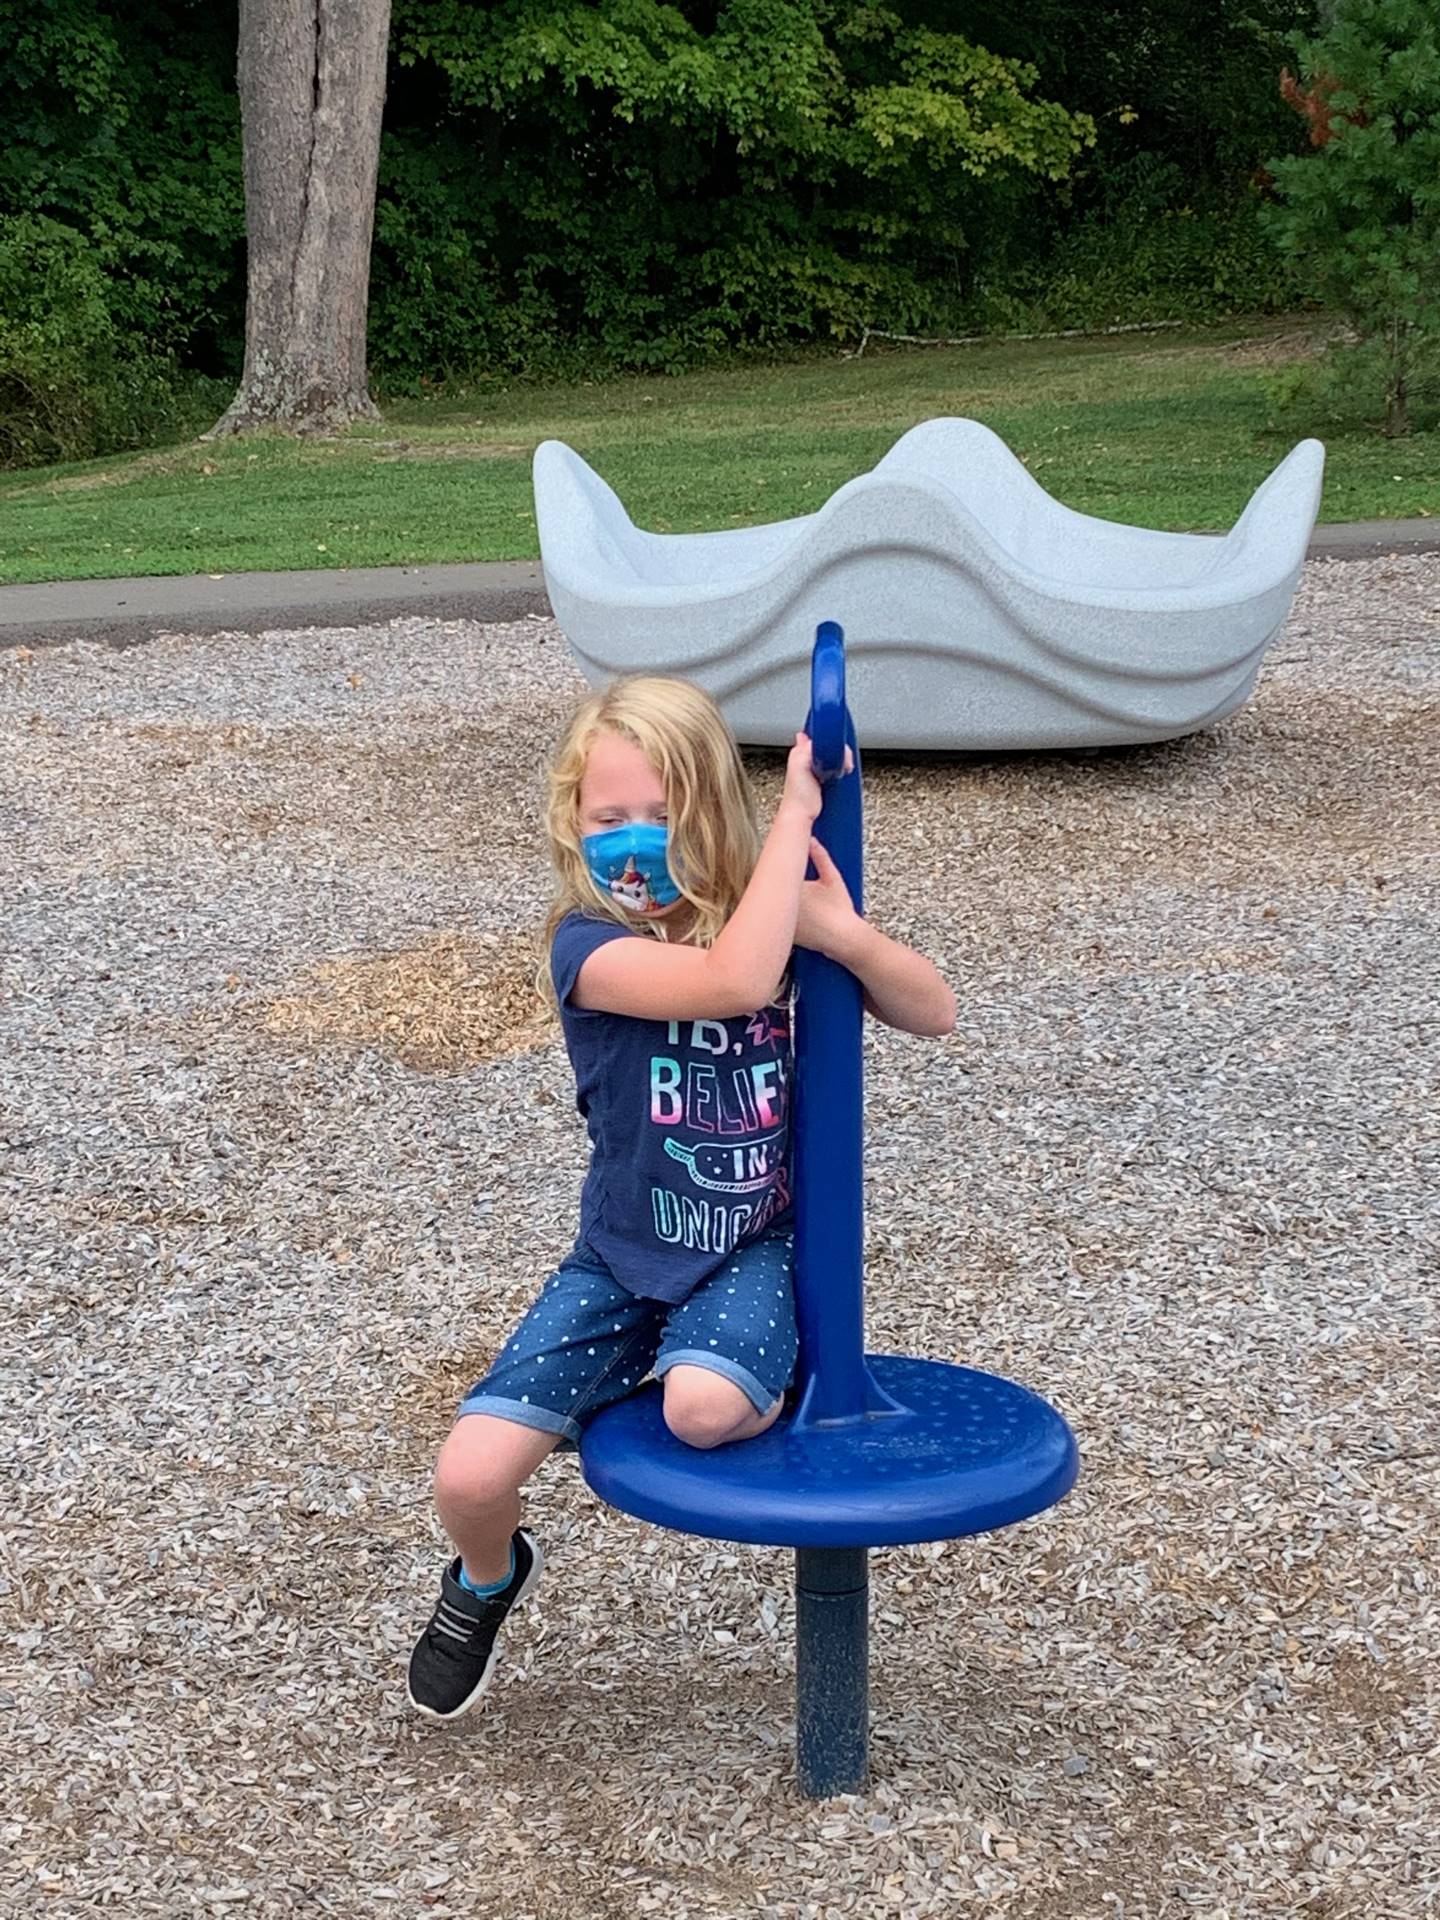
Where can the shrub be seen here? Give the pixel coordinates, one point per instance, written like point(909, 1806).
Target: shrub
point(71, 384)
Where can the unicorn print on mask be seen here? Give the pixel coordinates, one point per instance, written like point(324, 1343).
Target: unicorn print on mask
point(630, 864)
point(631, 889)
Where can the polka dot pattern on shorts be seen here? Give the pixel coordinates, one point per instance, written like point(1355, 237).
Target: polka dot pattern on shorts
point(587, 1341)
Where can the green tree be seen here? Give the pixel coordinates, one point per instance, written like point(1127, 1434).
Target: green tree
point(121, 124)
point(659, 180)
point(120, 221)
point(1360, 213)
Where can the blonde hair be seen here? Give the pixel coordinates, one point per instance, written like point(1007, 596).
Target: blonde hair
point(714, 838)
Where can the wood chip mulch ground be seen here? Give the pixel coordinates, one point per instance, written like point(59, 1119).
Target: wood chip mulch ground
point(286, 1148)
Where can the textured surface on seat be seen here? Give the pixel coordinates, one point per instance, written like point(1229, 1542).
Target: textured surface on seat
point(966, 1453)
point(979, 612)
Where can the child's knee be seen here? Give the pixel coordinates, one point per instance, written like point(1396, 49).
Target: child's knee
point(702, 1409)
point(471, 1472)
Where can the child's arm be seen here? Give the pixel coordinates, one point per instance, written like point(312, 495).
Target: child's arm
point(902, 987)
point(656, 980)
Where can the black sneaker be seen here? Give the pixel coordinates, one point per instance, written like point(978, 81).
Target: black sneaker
point(455, 1656)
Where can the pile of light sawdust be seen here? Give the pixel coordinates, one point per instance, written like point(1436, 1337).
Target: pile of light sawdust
point(453, 1001)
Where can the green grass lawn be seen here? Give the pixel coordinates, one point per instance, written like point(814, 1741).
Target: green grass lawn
point(1167, 430)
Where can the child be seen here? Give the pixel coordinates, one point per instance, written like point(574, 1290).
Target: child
point(669, 944)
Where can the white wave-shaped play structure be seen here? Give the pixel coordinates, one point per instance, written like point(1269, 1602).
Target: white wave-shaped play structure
point(978, 612)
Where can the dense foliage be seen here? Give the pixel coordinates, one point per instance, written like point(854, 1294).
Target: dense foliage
point(662, 184)
point(122, 221)
point(1360, 213)
point(634, 183)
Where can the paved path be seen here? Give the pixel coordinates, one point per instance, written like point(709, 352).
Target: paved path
point(124, 612)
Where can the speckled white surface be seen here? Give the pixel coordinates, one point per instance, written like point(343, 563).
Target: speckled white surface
point(978, 611)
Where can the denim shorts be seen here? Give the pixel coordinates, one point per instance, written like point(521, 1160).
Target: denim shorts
point(587, 1341)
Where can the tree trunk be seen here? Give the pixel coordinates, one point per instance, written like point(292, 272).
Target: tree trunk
point(312, 90)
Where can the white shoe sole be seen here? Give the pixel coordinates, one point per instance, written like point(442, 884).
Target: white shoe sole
point(537, 1565)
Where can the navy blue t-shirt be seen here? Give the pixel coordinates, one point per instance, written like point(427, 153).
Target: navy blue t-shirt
point(689, 1127)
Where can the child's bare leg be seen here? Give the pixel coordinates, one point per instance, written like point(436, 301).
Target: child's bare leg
point(482, 1466)
point(706, 1410)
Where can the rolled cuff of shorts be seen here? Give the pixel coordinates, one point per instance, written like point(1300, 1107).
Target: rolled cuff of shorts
point(755, 1391)
point(523, 1412)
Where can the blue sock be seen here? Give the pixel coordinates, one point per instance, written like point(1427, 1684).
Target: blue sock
point(495, 1586)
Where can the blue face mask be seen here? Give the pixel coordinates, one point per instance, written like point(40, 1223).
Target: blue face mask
point(628, 863)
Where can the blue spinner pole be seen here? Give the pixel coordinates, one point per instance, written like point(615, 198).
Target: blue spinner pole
point(829, 1089)
point(832, 1584)
point(835, 1387)
point(832, 1670)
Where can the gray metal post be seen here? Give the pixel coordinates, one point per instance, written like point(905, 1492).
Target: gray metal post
point(832, 1669)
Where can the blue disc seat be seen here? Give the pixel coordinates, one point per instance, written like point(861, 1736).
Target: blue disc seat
point(958, 1451)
